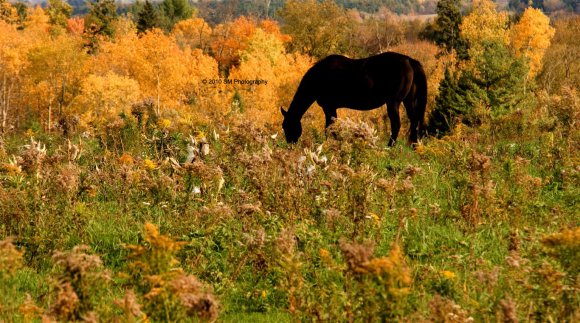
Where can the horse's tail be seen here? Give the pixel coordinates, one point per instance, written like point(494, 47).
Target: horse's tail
point(420, 81)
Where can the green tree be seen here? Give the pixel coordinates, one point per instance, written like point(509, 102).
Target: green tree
point(147, 18)
point(491, 86)
point(447, 33)
point(59, 11)
point(99, 22)
point(174, 11)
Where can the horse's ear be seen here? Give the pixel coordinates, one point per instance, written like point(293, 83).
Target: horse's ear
point(283, 111)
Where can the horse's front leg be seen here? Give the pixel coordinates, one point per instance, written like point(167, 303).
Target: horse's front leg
point(393, 112)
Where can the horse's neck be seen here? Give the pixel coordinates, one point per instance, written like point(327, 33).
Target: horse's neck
point(299, 106)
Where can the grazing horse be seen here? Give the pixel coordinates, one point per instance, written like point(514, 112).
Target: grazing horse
point(361, 84)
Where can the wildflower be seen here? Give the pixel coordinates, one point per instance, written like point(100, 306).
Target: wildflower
point(324, 254)
point(149, 164)
point(374, 217)
point(29, 133)
point(420, 149)
point(448, 274)
point(29, 309)
point(126, 159)
point(164, 123)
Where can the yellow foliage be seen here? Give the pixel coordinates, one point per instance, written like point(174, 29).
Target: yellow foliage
point(531, 37)
point(265, 59)
point(37, 21)
point(8, 13)
point(107, 96)
point(484, 23)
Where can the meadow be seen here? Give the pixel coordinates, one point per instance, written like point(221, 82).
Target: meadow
point(137, 186)
point(143, 222)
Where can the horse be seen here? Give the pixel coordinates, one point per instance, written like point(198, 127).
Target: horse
point(361, 84)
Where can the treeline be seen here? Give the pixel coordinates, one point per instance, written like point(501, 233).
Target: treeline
point(53, 66)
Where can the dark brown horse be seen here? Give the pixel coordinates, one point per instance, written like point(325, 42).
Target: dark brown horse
point(361, 84)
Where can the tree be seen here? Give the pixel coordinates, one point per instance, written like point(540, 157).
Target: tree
point(376, 34)
point(147, 18)
point(447, 34)
point(174, 11)
point(230, 39)
point(491, 86)
point(313, 27)
point(265, 58)
point(531, 37)
point(59, 12)
point(8, 13)
point(107, 96)
point(483, 25)
point(12, 62)
point(99, 22)
point(56, 68)
point(562, 58)
point(193, 33)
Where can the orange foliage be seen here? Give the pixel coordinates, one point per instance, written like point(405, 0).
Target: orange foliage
point(271, 27)
point(230, 38)
point(193, 33)
point(75, 25)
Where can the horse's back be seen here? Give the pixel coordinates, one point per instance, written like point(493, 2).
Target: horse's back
point(361, 84)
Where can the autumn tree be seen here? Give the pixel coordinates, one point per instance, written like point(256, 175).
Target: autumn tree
point(562, 58)
point(54, 75)
point(193, 33)
point(231, 38)
point(315, 27)
point(491, 83)
point(484, 24)
point(8, 13)
point(531, 37)
point(106, 96)
point(265, 58)
point(147, 18)
point(370, 36)
point(12, 63)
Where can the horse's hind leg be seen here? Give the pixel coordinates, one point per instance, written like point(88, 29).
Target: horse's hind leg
point(330, 115)
point(410, 107)
point(393, 112)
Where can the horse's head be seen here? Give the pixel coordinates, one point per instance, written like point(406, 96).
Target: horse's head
point(292, 127)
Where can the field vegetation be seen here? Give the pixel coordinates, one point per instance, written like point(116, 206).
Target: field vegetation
point(137, 187)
